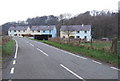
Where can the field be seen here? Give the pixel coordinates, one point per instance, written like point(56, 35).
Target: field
point(99, 45)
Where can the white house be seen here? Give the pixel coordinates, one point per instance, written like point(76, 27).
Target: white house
point(21, 31)
point(76, 31)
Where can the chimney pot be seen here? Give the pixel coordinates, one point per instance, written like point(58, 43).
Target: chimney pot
point(82, 25)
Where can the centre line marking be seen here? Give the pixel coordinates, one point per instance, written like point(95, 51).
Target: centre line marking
point(115, 68)
point(72, 72)
point(96, 62)
point(42, 52)
point(14, 61)
point(12, 70)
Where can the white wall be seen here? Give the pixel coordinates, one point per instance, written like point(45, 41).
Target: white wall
point(81, 34)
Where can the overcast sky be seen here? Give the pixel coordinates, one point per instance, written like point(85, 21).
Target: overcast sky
point(15, 10)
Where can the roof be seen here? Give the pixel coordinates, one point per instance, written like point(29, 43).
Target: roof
point(75, 27)
point(36, 28)
point(18, 28)
point(44, 27)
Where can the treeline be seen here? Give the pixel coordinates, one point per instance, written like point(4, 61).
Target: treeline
point(104, 23)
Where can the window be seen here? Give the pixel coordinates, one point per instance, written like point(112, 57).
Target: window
point(50, 31)
point(85, 37)
point(10, 30)
point(14, 30)
point(43, 30)
point(38, 30)
point(23, 30)
point(33, 31)
point(18, 30)
point(85, 31)
point(78, 31)
point(63, 36)
point(78, 36)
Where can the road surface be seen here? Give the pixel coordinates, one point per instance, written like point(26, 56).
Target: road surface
point(36, 60)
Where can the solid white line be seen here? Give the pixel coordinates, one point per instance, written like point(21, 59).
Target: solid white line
point(115, 68)
point(16, 49)
point(14, 61)
point(64, 51)
point(42, 52)
point(96, 62)
point(31, 44)
point(73, 54)
point(78, 56)
point(71, 72)
point(12, 70)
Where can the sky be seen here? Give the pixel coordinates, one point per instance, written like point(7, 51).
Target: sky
point(18, 10)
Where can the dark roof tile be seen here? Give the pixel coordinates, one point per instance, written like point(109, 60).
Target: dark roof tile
point(75, 28)
point(36, 28)
point(18, 28)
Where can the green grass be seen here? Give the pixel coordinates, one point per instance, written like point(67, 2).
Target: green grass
point(99, 45)
point(0, 57)
point(96, 54)
point(7, 48)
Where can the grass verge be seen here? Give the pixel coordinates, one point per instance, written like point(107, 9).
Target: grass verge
point(8, 48)
point(96, 54)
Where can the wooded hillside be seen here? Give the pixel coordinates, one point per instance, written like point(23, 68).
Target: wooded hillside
point(104, 23)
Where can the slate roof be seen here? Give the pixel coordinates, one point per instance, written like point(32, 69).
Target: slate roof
point(18, 28)
point(75, 28)
point(36, 28)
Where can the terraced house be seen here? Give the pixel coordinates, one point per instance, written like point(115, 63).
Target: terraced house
point(76, 31)
point(41, 31)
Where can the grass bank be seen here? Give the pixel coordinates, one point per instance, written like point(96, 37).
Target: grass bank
point(96, 54)
point(8, 48)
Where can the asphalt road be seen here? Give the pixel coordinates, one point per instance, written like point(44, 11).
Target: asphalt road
point(35, 60)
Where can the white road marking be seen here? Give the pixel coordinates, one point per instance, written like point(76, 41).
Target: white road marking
point(14, 61)
point(16, 49)
point(96, 62)
point(78, 56)
point(31, 44)
point(12, 70)
point(71, 72)
point(42, 52)
point(115, 68)
point(64, 51)
point(73, 54)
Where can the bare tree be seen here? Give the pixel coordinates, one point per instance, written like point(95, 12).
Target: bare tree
point(68, 28)
point(63, 19)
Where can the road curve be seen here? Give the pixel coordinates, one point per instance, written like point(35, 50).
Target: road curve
point(36, 60)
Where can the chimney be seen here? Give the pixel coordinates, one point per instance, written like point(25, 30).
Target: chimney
point(82, 25)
